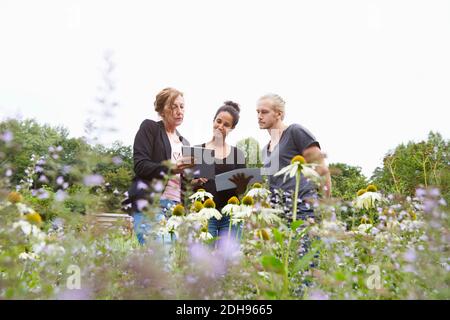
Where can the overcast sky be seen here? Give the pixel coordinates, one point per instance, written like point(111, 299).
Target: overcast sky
point(362, 76)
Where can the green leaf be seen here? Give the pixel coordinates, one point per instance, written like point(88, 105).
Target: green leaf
point(272, 295)
point(273, 264)
point(277, 235)
point(304, 262)
point(340, 276)
point(296, 224)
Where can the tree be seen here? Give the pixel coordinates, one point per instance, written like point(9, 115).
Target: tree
point(31, 138)
point(346, 180)
point(424, 163)
point(73, 162)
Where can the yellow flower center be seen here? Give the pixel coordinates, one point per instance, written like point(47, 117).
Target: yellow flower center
point(204, 229)
point(263, 234)
point(178, 210)
point(257, 185)
point(412, 214)
point(372, 188)
point(361, 192)
point(14, 197)
point(198, 206)
point(298, 158)
point(248, 201)
point(209, 203)
point(265, 205)
point(201, 190)
point(34, 218)
point(233, 200)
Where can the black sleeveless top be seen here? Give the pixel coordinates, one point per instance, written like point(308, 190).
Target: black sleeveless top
point(235, 160)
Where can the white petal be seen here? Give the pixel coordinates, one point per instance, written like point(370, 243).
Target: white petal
point(283, 171)
point(293, 171)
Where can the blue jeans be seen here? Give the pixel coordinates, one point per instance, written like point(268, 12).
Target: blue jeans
point(220, 228)
point(143, 224)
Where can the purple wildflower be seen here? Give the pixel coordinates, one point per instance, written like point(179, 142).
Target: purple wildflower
point(75, 294)
point(318, 295)
point(60, 195)
point(43, 179)
point(142, 186)
point(66, 169)
point(93, 180)
point(158, 186)
point(59, 180)
point(43, 194)
point(420, 193)
point(117, 160)
point(7, 136)
point(410, 255)
point(141, 204)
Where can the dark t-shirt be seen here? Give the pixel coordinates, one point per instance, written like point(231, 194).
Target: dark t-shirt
point(294, 140)
point(235, 160)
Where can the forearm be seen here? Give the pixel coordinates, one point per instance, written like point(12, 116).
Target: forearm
point(314, 155)
point(327, 186)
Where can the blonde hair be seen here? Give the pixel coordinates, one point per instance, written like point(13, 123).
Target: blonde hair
point(278, 104)
point(165, 97)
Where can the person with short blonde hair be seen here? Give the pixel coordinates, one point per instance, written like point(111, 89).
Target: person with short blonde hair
point(277, 103)
point(285, 143)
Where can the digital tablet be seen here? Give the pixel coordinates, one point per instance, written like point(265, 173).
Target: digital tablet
point(223, 180)
point(203, 161)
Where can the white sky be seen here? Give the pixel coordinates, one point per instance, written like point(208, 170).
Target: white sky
point(363, 76)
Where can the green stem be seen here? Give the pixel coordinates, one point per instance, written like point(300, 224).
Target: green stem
point(294, 218)
point(425, 172)
point(238, 228)
point(229, 226)
point(297, 186)
point(391, 169)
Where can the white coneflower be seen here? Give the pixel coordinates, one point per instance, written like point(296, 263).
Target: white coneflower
point(205, 236)
point(25, 226)
point(28, 256)
point(200, 195)
point(364, 228)
point(173, 223)
point(258, 191)
point(268, 214)
point(231, 207)
point(236, 220)
point(197, 206)
point(245, 209)
point(24, 209)
point(298, 163)
point(366, 198)
point(210, 210)
point(163, 228)
point(195, 216)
